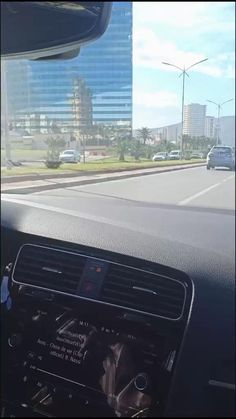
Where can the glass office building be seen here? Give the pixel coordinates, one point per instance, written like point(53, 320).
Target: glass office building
point(93, 90)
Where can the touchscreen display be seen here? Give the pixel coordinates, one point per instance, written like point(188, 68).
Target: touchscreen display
point(104, 360)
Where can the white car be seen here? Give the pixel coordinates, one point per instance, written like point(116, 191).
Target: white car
point(69, 156)
point(175, 155)
point(160, 156)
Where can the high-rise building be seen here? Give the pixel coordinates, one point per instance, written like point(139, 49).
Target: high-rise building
point(194, 120)
point(210, 127)
point(104, 71)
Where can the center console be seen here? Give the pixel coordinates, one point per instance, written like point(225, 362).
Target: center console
point(75, 358)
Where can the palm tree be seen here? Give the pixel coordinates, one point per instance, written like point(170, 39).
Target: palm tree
point(136, 148)
point(144, 134)
point(122, 148)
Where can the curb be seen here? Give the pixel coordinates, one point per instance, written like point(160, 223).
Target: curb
point(36, 176)
point(93, 181)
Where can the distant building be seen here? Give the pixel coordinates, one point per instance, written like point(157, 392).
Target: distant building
point(170, 133)
point(32, 124)
point(81, 102)
point(227, 130)
point(173, 132)
point(210, 127)
point(194, 120)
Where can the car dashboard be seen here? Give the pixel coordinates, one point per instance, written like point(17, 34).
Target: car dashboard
point(99, 320)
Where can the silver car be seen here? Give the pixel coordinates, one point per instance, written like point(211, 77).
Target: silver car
point(69, 156)
point(175, 155)
point(160, 156)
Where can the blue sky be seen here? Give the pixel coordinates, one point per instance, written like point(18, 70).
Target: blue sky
point(181, 33)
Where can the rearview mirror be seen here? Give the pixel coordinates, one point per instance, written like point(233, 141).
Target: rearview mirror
point(50, 29)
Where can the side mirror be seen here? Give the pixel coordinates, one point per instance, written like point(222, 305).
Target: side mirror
point(50, 29)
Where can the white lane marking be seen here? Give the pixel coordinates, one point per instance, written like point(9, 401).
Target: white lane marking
point(191, 198)
point(227, 178)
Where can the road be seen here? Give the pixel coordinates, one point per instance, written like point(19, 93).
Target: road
point(192, 206)
point(190, 187)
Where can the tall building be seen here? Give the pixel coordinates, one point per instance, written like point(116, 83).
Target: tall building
point(194, 120)
point(210, 127)
point(104, 71)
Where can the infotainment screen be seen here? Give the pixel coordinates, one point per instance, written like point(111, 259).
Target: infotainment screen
point(115, 365)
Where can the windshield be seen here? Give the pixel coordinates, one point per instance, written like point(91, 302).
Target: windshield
point(159, 82)
point(226, 150)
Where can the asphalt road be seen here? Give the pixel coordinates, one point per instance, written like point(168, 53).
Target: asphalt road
point(191, 206)
point(196, 187)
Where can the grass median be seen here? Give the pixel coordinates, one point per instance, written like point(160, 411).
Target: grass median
point(24, 154)
point(108, 164)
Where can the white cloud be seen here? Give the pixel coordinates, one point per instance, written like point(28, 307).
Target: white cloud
point(172, 13)
point(198, 16)
point(158, 99)
point(149, 51)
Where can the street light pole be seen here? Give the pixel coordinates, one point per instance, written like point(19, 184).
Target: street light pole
point(219, 106)
point(183, 73)
point(182, 122)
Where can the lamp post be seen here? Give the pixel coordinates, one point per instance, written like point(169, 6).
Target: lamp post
point(183, 73)
point(219, 106)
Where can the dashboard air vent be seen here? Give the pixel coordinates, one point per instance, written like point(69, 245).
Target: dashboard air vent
point(48, 268)
point(144, 291)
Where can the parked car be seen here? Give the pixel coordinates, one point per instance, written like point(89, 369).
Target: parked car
point(69, 156)
point(196, 155)
point(221, 156)
point(175, 155)
point(162, 155)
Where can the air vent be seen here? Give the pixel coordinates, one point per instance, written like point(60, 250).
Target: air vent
point(144, 291)
point(48, 268)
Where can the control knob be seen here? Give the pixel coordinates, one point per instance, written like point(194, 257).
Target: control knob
point(141, 381)
point(15, 340)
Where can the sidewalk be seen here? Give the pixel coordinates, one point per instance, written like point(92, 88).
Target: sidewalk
point(36, 184)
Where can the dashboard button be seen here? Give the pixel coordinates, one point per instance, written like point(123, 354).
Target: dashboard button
point(15, 340)
point(141, 382)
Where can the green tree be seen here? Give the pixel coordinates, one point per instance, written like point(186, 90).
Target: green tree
point(55, 145)
point(122, 148)
point(144, 134)
point(136, 149)
point(148, 151)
